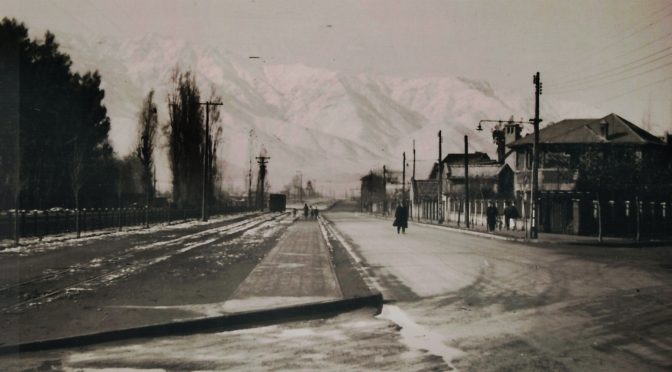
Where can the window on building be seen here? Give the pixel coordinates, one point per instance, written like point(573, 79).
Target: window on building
point(556, 160)
point(520, 160)
point(529, 159)
point(604, 129)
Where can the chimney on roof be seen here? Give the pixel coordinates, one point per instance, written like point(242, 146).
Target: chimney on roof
point(604, 129)
point(667, 138)
point(511, 132)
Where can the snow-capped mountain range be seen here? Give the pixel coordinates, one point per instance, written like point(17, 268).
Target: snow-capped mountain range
point(330, 125)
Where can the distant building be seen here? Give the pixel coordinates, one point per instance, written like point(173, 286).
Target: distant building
point(423, 196)
point(458, 159)
point(486, 181)
point(380, 191)
point(372, 192)
point(488, 178)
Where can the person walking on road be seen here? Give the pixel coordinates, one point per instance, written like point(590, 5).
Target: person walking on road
point(401, 218)
point(491, 216)
point(305, 211)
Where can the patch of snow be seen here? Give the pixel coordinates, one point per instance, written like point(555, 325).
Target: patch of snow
point(417, 337)
point(236, 305)
point(38, 245)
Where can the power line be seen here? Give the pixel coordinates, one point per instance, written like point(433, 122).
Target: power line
point(667, 36)
point(664, 37)
point(590, 54)
point(635, 32)
point(636, 89)
point(614, 70)
point(614, 81)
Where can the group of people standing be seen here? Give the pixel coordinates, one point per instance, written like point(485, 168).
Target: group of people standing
point(311, 212)
point(491, 213)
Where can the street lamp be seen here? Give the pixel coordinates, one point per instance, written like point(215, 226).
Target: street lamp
point(535, 168)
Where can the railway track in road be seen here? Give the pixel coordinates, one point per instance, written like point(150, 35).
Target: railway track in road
point(37, 291)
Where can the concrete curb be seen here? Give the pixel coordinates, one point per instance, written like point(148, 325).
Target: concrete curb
point(578, 242)
point(468, 232)
point(205, 325)
point(476, 233)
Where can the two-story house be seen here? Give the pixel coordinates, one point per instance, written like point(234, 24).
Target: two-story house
point(566, 204)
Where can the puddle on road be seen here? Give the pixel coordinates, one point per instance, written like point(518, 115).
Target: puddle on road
point(418, 337)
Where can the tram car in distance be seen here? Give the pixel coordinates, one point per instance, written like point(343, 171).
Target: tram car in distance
point(277, 202)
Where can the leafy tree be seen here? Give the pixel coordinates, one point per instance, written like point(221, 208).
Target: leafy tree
point(614, 171)
point(11, 40)
point(62, 124)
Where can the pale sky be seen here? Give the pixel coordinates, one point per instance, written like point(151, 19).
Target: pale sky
point(612, 54)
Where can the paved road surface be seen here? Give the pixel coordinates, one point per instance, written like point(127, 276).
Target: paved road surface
point(504, 305)
point(297, 270)
point(455, 302)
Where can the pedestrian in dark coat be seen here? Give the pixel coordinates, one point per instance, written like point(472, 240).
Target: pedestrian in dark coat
point(507, 215)
point(514, 214)
point(491, 216)
point(305, 211)
point(401, 218)
point(510, 212)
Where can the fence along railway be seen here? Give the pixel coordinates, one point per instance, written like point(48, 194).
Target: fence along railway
point(39, 223)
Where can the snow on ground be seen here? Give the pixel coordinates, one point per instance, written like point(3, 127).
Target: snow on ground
point(36, 245)
point(509, 306)
point(132, 265)
point(237, 305)
point(353, 341)
point(418, 337)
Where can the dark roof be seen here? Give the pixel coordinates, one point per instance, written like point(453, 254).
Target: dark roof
point(458, 159)
point(392, 176)
point(425, 189)
point(477, 171)
point(588, 131)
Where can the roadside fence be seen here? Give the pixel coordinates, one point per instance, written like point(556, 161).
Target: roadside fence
point(38, 223)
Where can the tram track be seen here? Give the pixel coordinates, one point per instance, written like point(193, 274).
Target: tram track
point(97, 272)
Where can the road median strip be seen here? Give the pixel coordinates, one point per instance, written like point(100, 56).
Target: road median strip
point(228, 322)
point(357, 295)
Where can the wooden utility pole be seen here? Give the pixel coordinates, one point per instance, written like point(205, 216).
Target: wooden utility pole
point(403, 179)
point(534, 230)
point(206, 156)
point(466, 180)
point(439, 177)
point(249, 186)
point(413, 160)
point(261, 179)
point(384, 190)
